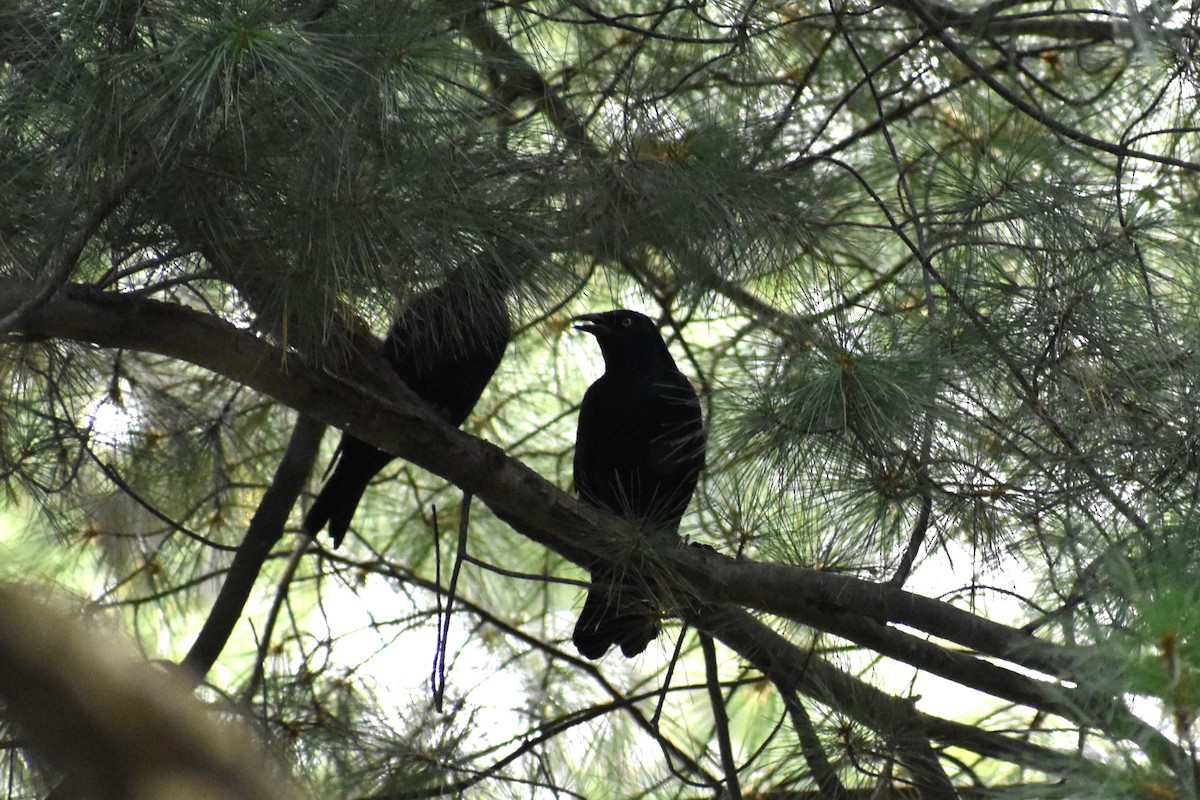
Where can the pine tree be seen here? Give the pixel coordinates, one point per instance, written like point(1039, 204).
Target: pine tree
point(931, 268)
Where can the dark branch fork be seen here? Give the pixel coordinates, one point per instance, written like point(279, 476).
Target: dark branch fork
point(377, 407)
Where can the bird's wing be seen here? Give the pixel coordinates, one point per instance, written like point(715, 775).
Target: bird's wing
point(678, 441)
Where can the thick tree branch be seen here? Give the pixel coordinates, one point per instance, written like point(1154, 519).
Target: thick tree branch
point(985, 22)
point(380, 409)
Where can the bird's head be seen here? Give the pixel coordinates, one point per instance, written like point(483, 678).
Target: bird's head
point(626, 338)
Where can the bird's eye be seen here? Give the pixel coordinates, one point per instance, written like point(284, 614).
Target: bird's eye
point(625, 323)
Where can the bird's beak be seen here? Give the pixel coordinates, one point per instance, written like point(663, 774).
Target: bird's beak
point(589, 323)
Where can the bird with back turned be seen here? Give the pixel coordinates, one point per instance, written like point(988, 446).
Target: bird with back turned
point(639, 451)
point(445, 347)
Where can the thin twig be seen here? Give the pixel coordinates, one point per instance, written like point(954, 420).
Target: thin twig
point(444, 616)
point(281, 592)
point(720, 718)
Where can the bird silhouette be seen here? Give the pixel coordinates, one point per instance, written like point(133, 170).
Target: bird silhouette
point(445, 347)
point(639, 451)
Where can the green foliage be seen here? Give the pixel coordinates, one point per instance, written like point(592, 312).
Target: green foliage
point(935, 285)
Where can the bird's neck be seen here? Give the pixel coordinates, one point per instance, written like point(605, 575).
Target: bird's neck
point(647, 366)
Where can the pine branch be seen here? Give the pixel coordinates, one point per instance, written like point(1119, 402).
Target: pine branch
point(733, 786)
point(939, 29)
point(523, 78)
point(265, 530)
point(379, 409)
point(823, 772)
point(987, 22)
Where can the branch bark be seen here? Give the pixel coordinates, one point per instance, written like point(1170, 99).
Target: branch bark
point(264, 531)
point(375, 406)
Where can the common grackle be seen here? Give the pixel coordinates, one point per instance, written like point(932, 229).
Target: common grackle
point(445, 347)
point(638, 453)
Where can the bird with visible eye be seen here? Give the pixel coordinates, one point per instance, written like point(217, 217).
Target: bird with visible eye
point(639, 450)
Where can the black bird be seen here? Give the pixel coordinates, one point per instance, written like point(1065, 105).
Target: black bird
point(638, 453)
point(445, 347)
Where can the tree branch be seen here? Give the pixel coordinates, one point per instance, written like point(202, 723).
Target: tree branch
point(523, 79)
point(378, 408)
point(824, 774)
point(939, 30)
point(733, 787)
point(265, 529)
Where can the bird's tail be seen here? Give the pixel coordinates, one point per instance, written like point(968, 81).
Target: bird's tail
point(615, 612)
point(357, 463)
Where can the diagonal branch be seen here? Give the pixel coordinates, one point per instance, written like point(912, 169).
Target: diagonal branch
point(264, 531)
point(823, 772)
point(792, 669)
point(378, 408)
point(720, 718)
point(939, 30)
point(523, 79)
